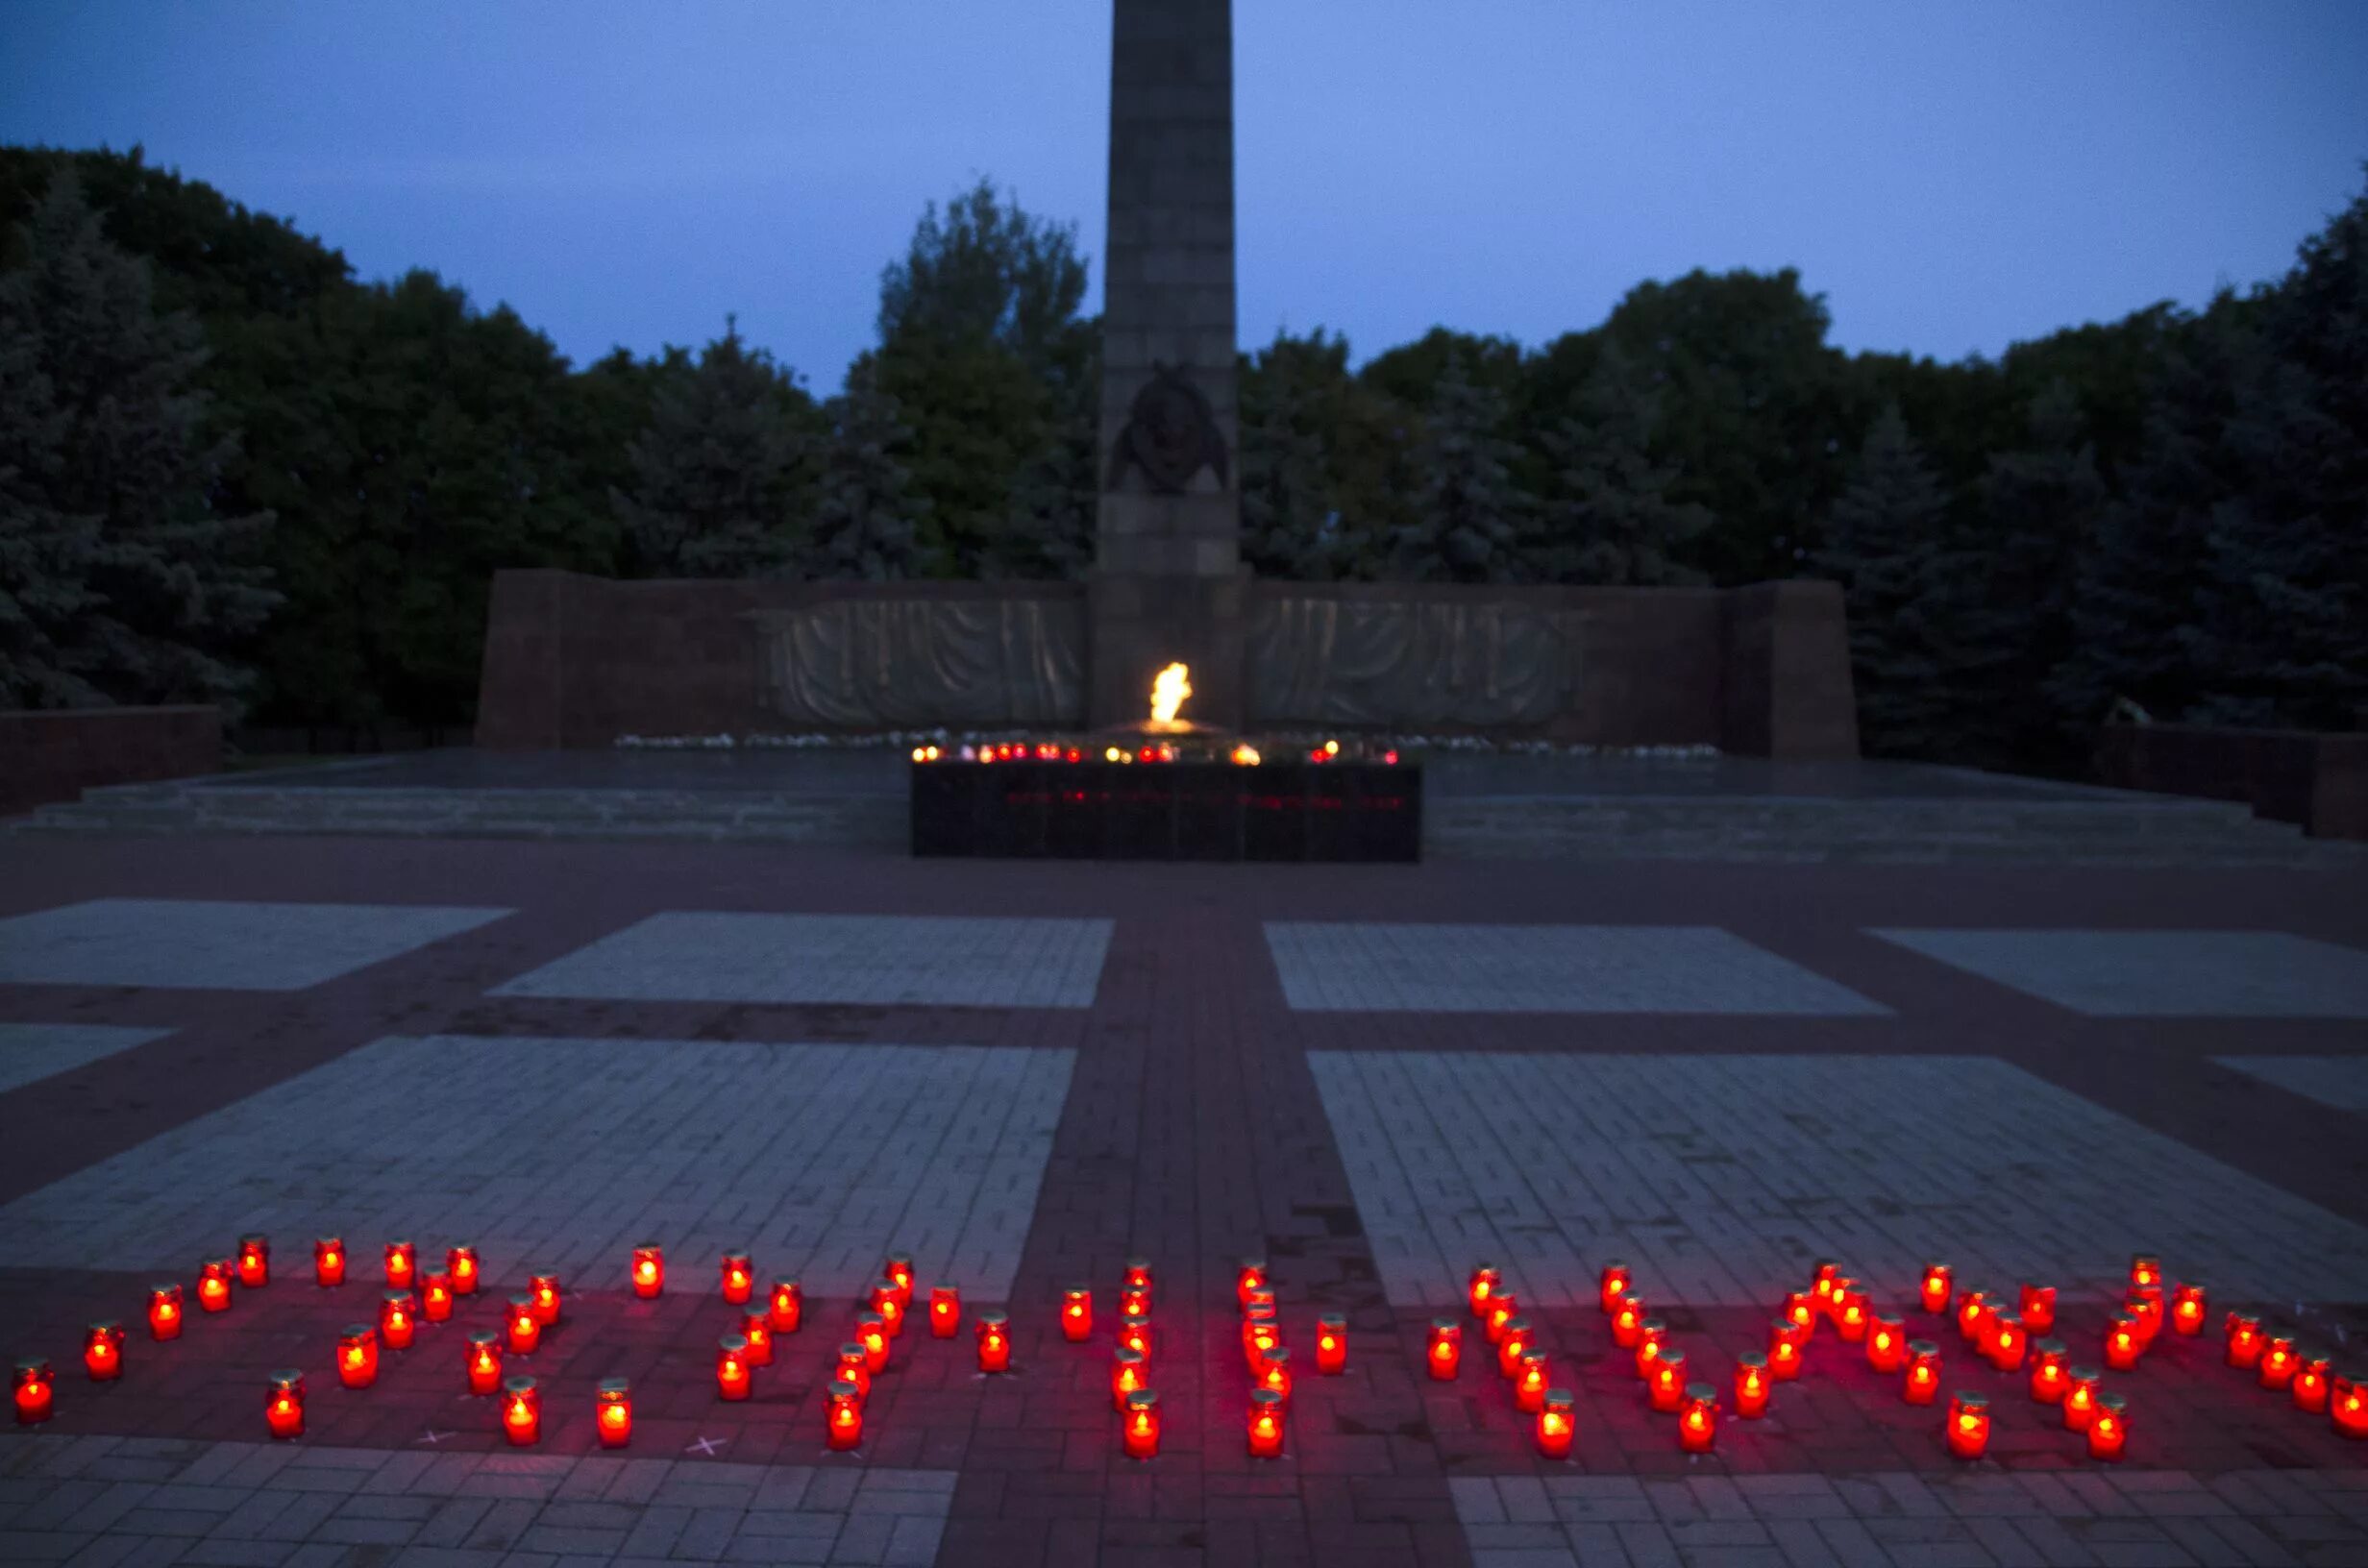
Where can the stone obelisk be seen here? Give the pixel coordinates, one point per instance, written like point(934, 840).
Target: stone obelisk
point(1167, 581)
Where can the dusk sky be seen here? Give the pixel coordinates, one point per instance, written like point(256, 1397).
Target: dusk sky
point(1952, 175)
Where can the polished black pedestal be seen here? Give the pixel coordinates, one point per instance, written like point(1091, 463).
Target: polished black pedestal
point(1345, 811)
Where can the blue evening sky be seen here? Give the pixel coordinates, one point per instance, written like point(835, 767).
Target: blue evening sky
point(1952, 175)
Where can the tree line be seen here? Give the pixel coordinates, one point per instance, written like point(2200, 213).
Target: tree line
point(230, 471)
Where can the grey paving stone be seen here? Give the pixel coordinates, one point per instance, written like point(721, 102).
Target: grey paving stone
point(2338, 1082)
point(218, 945)
point(31, 1051)
point(2263, 974)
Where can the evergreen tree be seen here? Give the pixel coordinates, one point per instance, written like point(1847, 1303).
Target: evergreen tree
point(1607, 516)
point(133, 586)
point(1049, 535)
point(1289, 527)
point(716, 473)
point(866, 511)
point(1883, 543)
point(1469, 510)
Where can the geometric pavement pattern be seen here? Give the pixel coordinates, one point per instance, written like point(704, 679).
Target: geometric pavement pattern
point(2338, 1082)
point(2160, 974)
point(859, 960)
point(31, 1051)
point(1373, 966)
point(564, 1154)
point(1720, 1178)
point(218, 945)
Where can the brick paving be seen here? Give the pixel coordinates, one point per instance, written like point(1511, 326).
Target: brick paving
point(1194, 1130)
point(216, 944)
point(33, 1051)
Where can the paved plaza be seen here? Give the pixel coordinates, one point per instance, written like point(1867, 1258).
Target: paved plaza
point(1024, 1075)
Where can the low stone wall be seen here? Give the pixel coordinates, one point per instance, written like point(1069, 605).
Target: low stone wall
point(577, 661)
point(52, 754)
point(2317, 781)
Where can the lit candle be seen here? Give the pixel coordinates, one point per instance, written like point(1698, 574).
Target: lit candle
point(358, 1356)
point(1142, 1425)
point(522, 1411)
point(2122, 1345)
point(2244, 1341)
point(732, 1376)
point(1261, 1300)
point(1266, 1424)
point(2048, 1376)
point(2308, 1389)
point(484, 1363)
point(1783, 1349)
point(2080, 1397)
point(649, 1270)
point(1135, 1333)
point(2008, 1341)
point(254, 1261)
point(398, 1319)
point(1801, 1309)
point(1850, 1313)
point(436, 1297)
point(2346, 1404)
point(889, 1307)
point(1138, 1274)
point(1628, 1321)
point(1649, 1334)
point(2037, 1308)
point(461, 1263)
point(402, 1265)
point(1252, 1277)
point(1512, 1345)
point(1503, 1307)
point(1558, 1425)
point(844, 1415)
point(756, 1328)
point(1260, 1336)
point(1611, 1286)
point(103, 1350)
point(1936, 1289)
point(328, 1261)
point(1754, 1383)
point(1274, 1377)
point(1972, 1311)
point(283, 1404)
point(213, 1285)
point(1446, 1351)
point(164, 1312)
point(1127, 1376)
point(545, 1289)
point(1968, 1425)
point(739, 1278)
point(1667, 1387)
point(2108, 1429)
point(613, 1411)
point(1922, 1383)
point(994, 1343)
point(1331, 1346)
point(1886, 1345)
point(1135, 1302)
point(1821, 1286)
point(1530, 1386)
point(788, 1306)
point(36, 1390)
point(872, 1334)
point(1076, 1315)
point(898, 1269)
point(2145, 1308)
point(1697, 1423)
point(2146, 1272)
point(2278, 1362)
point(2189, 1305)
point(856, 1367)
point(1484, 1283)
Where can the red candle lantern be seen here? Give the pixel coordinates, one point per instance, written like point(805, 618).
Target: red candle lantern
point(1611, 1286)
point(1512, 1344)
point(254, 1261)
point(756, 1328)
point(1649, 1334)
point(526, 1330)
point(787, 1305)
point(358, 1356)
point(1252, 1277)
point(1503, 1307)
point(2108, 1429)
point(1260, 1337)
point(436, 1297)
point(461, 1263)
point(2145, 1308)
point(1972, 1307)
point(613, 1411)
point(1934, 1293)
point(2037, 1308)
point(2008, 1341)
point(544, 1289)
point(1266, 1424)
point(1801, 1309)
point(1530, 1384)
point(898, 1269)
point(1628, 1321)
point(484, 1363)
point(164, 1312)
point(871, 1334)
point(36, 1390)
point(1558, 1424)
point(1134, 1302)
point(888, 1307)
point(1886, 1345)
point(1331, 1346)
point(2122, 1344)
point(1141, 1425)
point(328, 1261)
point(1821, 1285)
point(1261, 1300)
point(103, 1350)
point(283, 1404)
point(945, 1311)
point(2146, 1272)
point(2080, 1397)
point(213, 1285)
point(2244, 1341)
point(1485, 1282)
point(1697, 1422)
point(1849, 1308)
point(1076, 1315)
point(1135, 1333)
point(1968, 1426)
point(398, 1319)
point(649, 1270)
point(522, 1413)
point(1127, 1376)
point(2309, 1389)
point(1783, 1349)
point(1446, 1350)
point(856, 1367)
point(1274, 1377)
point(733, 1377)
point(1922, 1383)
point(994, 1343)
point(2278, 1362)
point(1666, 1386)
point(1138, 1275)
point(2346, 1404)
point(1754, 1383)
point(2049, 1361)
point(843, 1418)
point(2189, 1305)
point(739, 1278)
point(402, 1265)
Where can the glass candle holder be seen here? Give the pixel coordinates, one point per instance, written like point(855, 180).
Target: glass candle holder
point(283, 1405)
point(1444, 1354)
point(1922, 1384)
point(1754, 1386)
point(1140, 1424)
point(613, 1411)
point(1968, 1426)
point(1558, 1425)
point(358, 1356)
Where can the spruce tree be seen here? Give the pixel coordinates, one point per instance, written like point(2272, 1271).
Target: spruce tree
point(46, 556)
point(1469, 511)
point(1289, 529)
point(866, 513)
point(1883, 545)
point(1048, 536)
point(1607, 517)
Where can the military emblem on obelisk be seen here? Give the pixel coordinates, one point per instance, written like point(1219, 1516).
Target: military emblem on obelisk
point(1171, 433)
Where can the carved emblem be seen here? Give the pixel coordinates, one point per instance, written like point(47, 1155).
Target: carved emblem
point(1171, 432)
